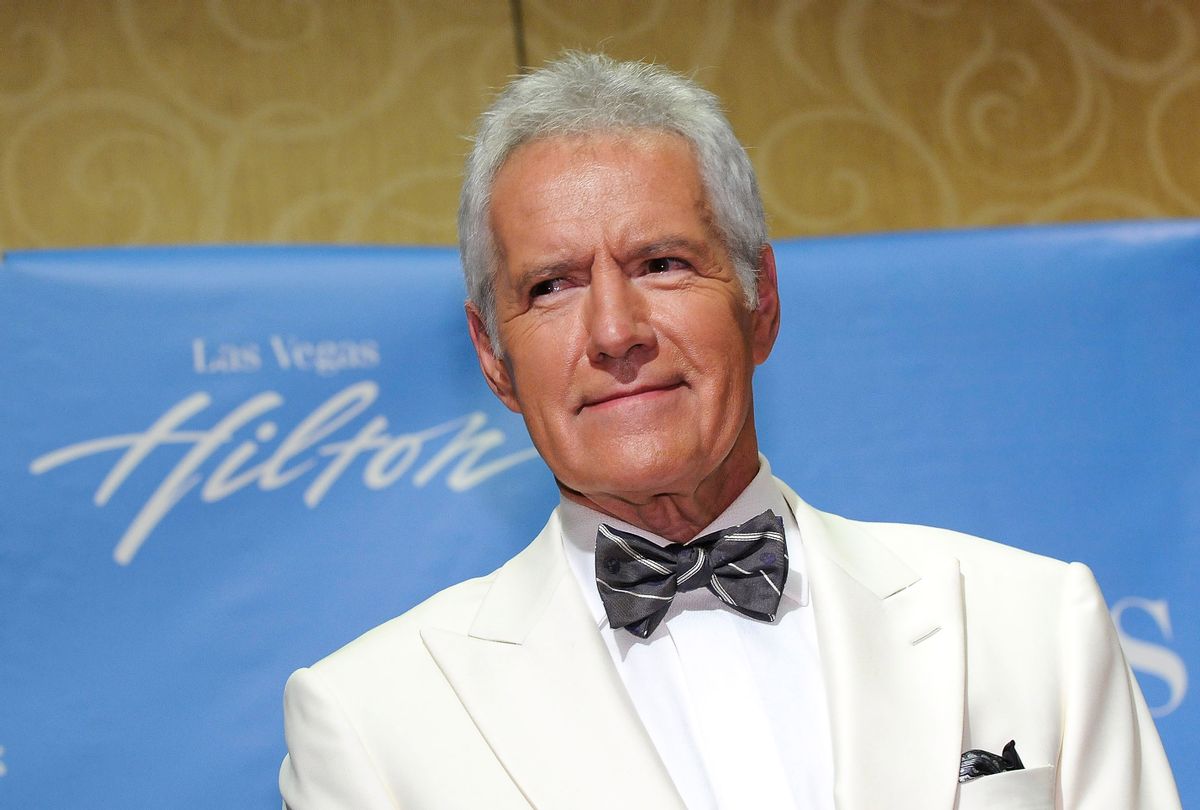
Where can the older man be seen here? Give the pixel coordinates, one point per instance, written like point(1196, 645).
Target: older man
point(686, 631)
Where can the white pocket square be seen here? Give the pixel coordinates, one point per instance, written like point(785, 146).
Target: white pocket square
point(1028, 789)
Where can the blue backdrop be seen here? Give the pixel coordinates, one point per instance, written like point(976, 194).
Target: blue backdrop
point(211, 461)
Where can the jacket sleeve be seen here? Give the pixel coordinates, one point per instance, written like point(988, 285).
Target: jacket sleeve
point(1111, 755)
point(327, 765)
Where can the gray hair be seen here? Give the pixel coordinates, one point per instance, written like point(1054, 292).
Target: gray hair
point(580, 94)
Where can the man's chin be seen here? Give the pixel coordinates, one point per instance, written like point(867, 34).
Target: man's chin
point(651, 481)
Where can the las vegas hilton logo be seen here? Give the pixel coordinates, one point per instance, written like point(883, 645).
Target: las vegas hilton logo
point(247, 446)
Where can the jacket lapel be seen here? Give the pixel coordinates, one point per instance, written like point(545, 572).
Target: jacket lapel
point(892, 652)
point(538, 682)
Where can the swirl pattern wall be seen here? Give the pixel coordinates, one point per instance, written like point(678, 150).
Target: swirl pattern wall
point(197, 121)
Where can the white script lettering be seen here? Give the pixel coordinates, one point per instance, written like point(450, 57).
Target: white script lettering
point(301, 451)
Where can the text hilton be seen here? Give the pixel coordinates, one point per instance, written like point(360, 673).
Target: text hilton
point(302, 451)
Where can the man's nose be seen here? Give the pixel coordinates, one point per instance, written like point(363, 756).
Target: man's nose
point(617, 317)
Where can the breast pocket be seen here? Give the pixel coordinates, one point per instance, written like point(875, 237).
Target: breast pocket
point(1030, 789)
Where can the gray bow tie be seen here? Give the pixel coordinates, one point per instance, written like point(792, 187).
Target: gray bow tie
point(745, 567)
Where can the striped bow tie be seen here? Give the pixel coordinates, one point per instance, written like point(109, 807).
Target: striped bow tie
point(745, 567)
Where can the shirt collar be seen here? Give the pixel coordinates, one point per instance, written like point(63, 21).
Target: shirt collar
point(579, 525)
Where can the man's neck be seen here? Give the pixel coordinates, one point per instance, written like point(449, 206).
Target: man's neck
point(676, 516)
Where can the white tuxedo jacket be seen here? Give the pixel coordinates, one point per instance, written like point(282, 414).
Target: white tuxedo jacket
point(499, 692)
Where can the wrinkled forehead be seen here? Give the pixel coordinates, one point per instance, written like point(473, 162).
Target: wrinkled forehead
point(587, 149)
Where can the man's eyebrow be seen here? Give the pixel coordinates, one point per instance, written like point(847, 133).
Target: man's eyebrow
point(542, 272)
point(670, 244)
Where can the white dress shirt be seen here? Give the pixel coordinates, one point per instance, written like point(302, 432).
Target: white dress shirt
point(736, 707)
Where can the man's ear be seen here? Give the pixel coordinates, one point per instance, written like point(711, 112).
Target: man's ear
point(494, 369)
point(765, 318)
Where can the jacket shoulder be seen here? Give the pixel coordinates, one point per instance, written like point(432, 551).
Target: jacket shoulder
point(976, 555)
point(378, 717)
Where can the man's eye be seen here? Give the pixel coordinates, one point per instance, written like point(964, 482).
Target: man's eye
point(664, 264)
point(550, 285)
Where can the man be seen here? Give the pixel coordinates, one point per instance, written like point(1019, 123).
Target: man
point(686, 631)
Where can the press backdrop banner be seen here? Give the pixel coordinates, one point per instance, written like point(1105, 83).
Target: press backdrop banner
point(220, 464)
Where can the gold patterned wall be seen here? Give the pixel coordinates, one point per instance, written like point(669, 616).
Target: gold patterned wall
point(185, 121)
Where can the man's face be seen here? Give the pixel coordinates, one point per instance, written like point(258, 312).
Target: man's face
point(628, 347)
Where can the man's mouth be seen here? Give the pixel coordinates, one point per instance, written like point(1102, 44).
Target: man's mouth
point(633, 393)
